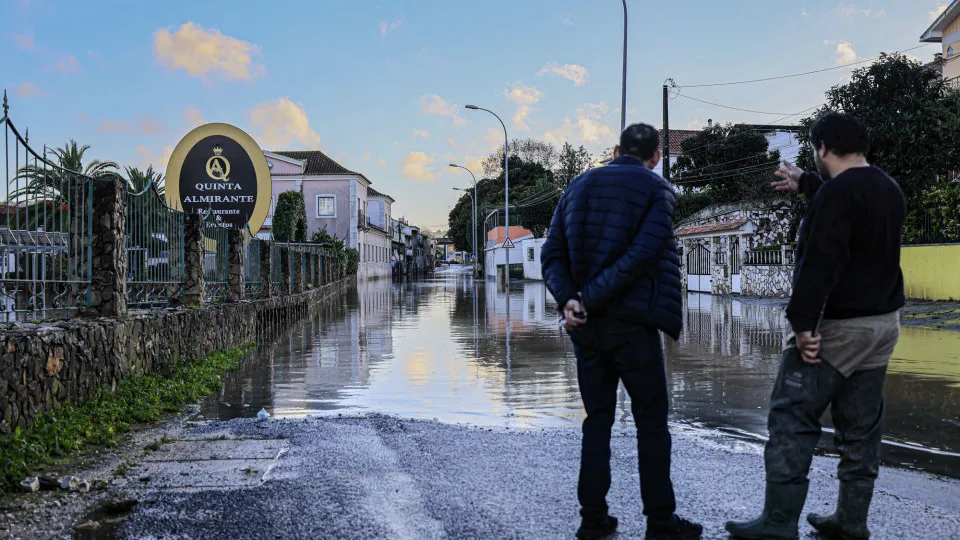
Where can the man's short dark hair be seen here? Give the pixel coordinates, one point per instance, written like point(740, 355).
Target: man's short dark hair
point(640, 141)
point(841, 134)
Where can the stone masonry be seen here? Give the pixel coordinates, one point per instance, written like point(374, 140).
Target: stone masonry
point(235, 262)
point(108, 258)
point(194, 249)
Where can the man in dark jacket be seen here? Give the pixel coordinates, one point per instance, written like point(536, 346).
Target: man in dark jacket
point(847, 272)
point(611, 250)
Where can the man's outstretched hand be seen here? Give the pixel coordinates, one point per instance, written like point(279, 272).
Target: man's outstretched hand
point(570, 311)
point(789, 175)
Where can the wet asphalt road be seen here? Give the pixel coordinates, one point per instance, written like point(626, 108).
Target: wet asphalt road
point(383, 477)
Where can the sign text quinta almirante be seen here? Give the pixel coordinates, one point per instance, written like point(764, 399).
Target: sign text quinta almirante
point(217, 168)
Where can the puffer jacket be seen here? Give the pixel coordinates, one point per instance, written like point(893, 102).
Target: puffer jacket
point(611, 240)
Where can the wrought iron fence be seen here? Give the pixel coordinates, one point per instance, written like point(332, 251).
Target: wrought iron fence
point(779, 257)
point(46, 223)
point(932, 228)
point(216, 260)
point(276, 273)
point(154, 245)
point(252, 284)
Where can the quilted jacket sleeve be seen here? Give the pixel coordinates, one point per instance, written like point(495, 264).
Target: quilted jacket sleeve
point(641, 256)
point(555, 260)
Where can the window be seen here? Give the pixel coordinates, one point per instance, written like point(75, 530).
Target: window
point(529, 254)
point(950, 51)
point(326, 206)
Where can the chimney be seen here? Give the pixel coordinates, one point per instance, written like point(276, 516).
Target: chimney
point(710, 122)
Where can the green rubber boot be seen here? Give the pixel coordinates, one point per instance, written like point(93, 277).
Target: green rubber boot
point(849, 522)
point(781, 512)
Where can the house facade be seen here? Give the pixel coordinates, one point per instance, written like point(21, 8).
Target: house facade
point(945, 30)
point(338, 200)
point(495, 255)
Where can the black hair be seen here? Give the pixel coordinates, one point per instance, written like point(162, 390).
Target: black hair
point(640, 141)
point(841, 134)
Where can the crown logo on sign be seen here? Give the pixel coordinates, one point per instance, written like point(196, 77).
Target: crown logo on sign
point(217, 150)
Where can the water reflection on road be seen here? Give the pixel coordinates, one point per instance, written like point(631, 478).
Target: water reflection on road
point(459, 351)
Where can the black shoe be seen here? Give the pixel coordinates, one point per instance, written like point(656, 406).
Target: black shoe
point(676, 528)
point(781, 512)
point(849, 522)
point(592, 530)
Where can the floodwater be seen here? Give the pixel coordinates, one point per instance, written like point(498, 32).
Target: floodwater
point(456, 350)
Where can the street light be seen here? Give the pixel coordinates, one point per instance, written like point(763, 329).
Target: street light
point(476, 250)
point(623, 93)
point(506, 182)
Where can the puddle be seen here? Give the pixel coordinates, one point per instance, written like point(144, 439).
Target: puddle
point(102, 523)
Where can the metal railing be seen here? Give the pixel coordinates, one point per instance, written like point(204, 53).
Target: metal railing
point(46, 223)
point(216, 260)
point(276, 273)
point(778, 257)
point(155, 248)
point(932, 228)
point(252, 285)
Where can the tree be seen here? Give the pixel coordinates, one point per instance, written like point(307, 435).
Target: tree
point(138, 180)
point(731, 163)
point(914, 119)
point(290, 218)
point(335, 243)
point(572, 163)
point(528, 150)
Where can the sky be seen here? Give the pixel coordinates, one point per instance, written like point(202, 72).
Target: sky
point(380, 86)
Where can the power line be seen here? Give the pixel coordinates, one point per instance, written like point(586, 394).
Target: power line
point(795, 74)
point(725, 174)
point(777, 148)
point(730, 107)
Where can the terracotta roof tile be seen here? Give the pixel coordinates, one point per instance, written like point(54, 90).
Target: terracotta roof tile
point(677, 136)
point(722, 226)
point(317, 162)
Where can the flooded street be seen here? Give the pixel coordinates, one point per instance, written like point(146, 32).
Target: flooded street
point(450, 349)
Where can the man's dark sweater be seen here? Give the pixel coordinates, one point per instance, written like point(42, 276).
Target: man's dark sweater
point(849, 248)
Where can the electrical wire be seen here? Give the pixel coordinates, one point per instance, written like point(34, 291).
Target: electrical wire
point(730, 107)
point(794, 74)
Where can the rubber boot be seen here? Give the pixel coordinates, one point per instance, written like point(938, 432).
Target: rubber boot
point(849, 522)
point(781, 512)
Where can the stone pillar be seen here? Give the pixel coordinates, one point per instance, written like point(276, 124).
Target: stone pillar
point(194, 240)
point(266, 269)
point(316, 269)
point(108, 283)
point(297, 272)
point(284, 271)
point(235, 264)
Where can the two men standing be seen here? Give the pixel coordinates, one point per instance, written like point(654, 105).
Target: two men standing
point(611, 250)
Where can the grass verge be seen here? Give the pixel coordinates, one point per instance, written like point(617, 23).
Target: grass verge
point(106, 417)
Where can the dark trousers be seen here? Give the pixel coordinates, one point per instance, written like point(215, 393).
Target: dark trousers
point(801, 394)
point(636, 358)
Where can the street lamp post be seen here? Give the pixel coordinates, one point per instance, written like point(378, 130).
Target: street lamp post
point(623, 93)
point(476, 249)
point(506, 182)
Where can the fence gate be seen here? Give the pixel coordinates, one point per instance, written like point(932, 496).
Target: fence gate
point(699, 277)
point(736, 264)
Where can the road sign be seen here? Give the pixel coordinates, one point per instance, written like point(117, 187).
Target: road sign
point(508, 244)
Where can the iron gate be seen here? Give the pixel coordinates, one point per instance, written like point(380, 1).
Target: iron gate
point(736, 264)
point(699, 270)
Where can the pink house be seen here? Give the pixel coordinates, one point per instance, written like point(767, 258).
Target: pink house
point(340, 200)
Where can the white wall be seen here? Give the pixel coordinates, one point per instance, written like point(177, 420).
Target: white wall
point(531, 266)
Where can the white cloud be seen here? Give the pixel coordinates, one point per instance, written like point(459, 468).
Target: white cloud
point(416, 166)
point(452, 142)
point(201, 53)
point(474, 163)
point(159, 160)
point(367, 156)
point(520, 117)
point(150, 126)
point(29, 90)
point(587, 128)
point(434, 105)
point(120, 126)
point(192, 116)
point(525, 97)
point(846, 54)
point(25, 41)
point(804, 13)
point(422, 133)
point(396, 144)
point(282, 123)
point(493, 138)
point(846, 9)
point(937, 11)
point(68, 64)
point(566, 20)
point(387, 27)
point(572, 72)
point(383, 163)
point(694, 124)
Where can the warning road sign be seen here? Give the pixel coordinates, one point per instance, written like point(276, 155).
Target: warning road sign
point(508, 244)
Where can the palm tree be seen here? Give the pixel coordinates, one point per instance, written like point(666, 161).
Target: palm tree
point(139, 180)
point(54, 183)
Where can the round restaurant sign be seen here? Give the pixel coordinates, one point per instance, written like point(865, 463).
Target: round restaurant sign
point(220, 169)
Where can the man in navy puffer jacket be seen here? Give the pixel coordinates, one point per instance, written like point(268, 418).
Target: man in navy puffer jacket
point(611, 250)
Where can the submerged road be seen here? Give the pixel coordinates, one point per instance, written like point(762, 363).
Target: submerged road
point(384, 477)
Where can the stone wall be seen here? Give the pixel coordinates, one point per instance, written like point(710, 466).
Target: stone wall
point(721, 281)
point(45, 365)
point(767, 281)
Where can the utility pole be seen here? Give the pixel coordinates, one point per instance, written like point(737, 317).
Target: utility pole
point(623, 91)
point(665, 142)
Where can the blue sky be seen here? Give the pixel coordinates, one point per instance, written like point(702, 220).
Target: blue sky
point(380, 86)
